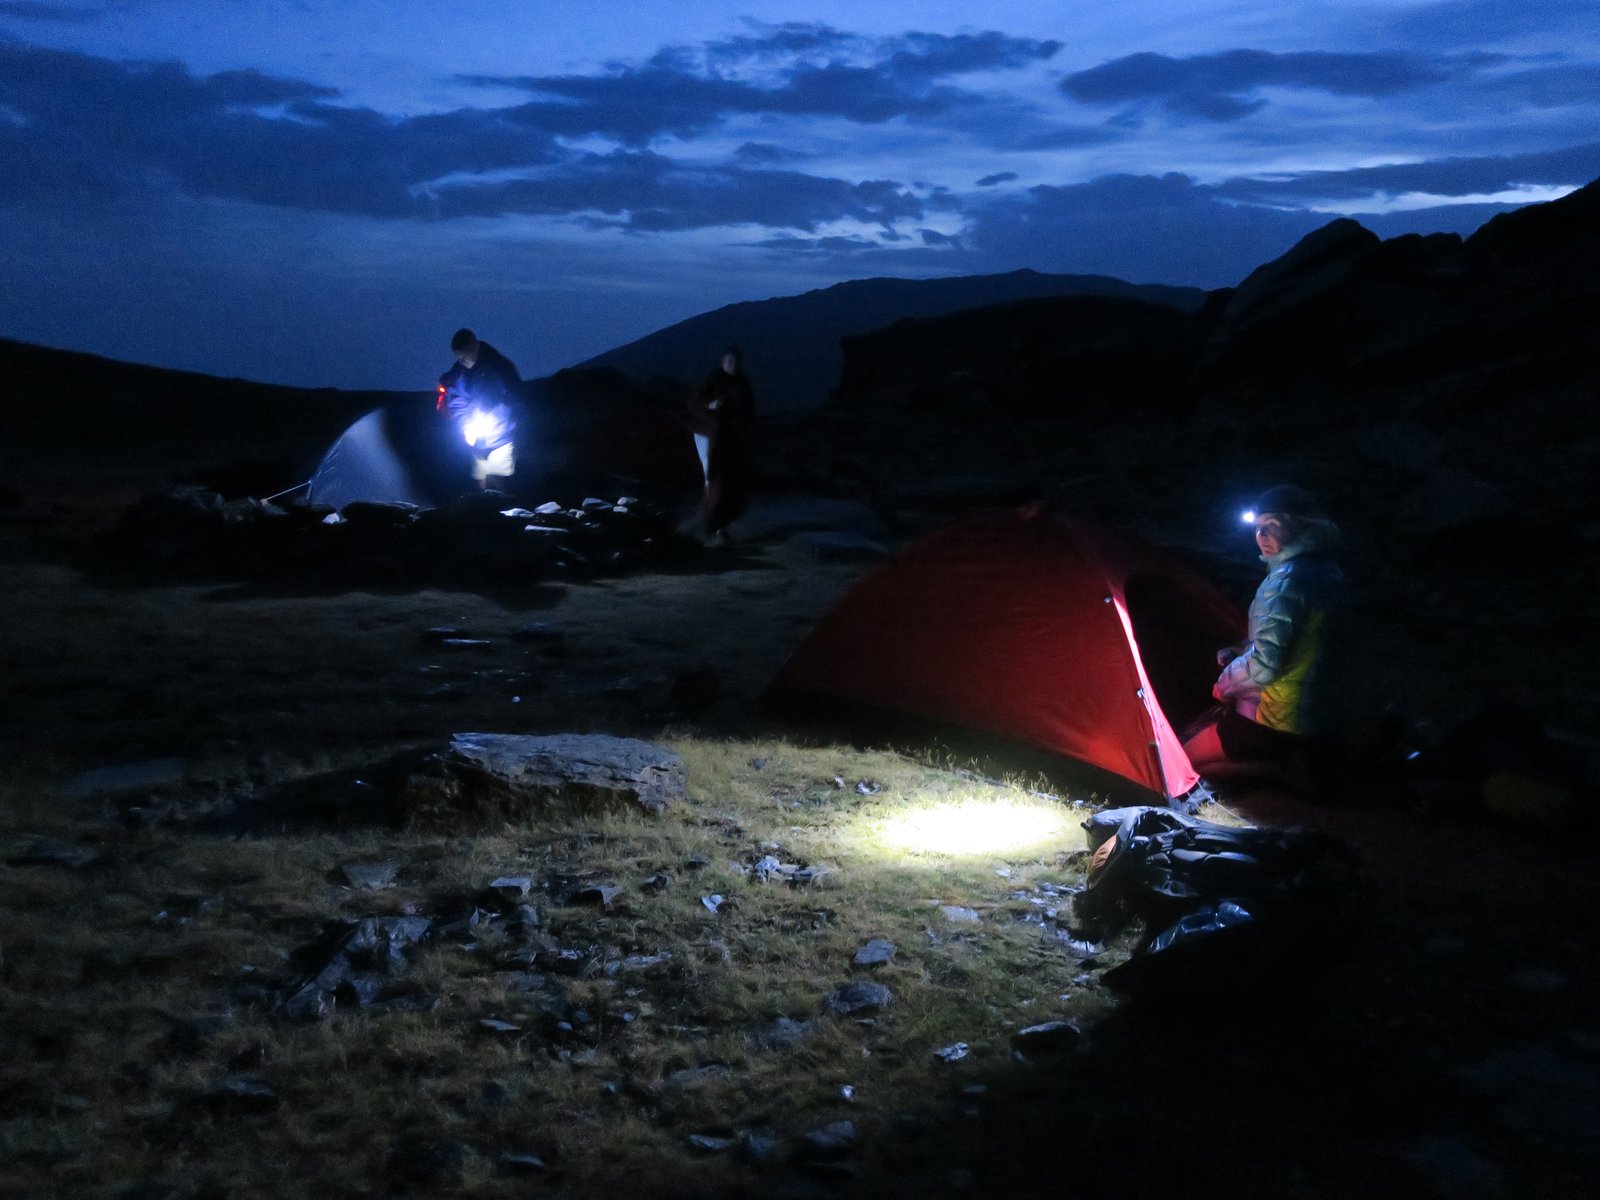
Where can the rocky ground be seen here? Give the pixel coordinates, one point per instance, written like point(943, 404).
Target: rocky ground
point(1450, 1050)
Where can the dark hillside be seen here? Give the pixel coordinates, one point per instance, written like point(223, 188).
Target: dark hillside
point(102, 402)
point(1086, 356)
point(792, 343)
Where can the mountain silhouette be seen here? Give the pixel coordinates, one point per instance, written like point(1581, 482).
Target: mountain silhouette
point(791, 344)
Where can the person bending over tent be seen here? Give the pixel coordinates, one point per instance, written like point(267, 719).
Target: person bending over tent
point(721, 414)
point(1274, 690)
point(479, 393)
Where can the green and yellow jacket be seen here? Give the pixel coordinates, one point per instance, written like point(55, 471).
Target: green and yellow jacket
point(1279, 679)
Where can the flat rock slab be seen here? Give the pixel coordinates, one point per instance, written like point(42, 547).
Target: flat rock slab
point(516, 774)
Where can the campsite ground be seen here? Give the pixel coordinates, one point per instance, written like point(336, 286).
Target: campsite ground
point(1449, 1049)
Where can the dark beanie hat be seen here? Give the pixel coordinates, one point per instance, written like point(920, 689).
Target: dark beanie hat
point(1287, 500)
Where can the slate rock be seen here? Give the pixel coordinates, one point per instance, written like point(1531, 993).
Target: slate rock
point(600, 895)
point(1051, 1037)
point(503, 775)
point(875, 953)
point(383, 942)
point(858, 999)
point(360, 990)
point(829, 1143)
point(805, 876)
point(369, 876)
point(524, 921)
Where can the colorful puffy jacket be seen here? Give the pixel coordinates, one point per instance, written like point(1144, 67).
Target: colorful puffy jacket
point(1277, 679)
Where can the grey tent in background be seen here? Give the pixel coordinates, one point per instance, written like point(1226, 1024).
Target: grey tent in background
point(402, 453)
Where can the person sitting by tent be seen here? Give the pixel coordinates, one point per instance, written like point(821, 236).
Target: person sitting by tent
point(480, 393)
point(1274, 690)
point(721, 413)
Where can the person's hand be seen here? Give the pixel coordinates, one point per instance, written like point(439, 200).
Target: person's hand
point(1227, 654)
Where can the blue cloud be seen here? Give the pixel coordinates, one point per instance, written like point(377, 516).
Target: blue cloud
point(909, 56)
point(676, 93)
point(649, 192)
point(785, 42)
point(1107, 225)
point(1001, 177)
point(1565, 85)
point(1216, 87)
point(819, 247)
point(1485, 22)
point(1477, 176)
point(89, 127)
point(763, 154)
point(934, 55)
point(1183, 230)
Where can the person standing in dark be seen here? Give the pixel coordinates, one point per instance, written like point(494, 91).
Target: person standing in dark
point(722, 414)
point(480, 393)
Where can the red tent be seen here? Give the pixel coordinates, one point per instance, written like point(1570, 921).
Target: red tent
point(1044, 630)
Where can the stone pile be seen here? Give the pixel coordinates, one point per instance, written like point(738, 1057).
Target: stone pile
point(191, 532)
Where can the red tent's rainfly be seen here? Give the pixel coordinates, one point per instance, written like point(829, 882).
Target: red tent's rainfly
point(1044, 630)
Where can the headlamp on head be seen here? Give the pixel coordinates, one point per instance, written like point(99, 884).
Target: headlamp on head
point(1248, 516)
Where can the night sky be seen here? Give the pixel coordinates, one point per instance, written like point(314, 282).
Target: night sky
point(320, 192)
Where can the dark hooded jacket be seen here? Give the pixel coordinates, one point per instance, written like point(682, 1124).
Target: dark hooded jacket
point(723, 408)
point(491, 385)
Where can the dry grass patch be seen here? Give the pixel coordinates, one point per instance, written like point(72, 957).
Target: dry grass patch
point(672, 1008)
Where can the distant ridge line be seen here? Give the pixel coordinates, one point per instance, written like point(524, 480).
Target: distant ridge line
point(791, 343)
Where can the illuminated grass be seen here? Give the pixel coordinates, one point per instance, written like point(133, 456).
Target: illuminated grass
point(976, 827)
point(116, 973)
